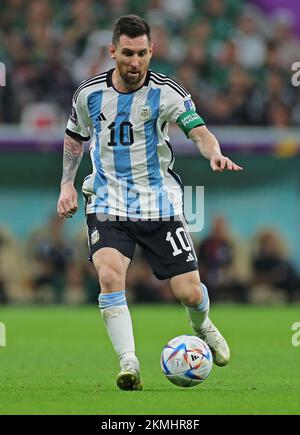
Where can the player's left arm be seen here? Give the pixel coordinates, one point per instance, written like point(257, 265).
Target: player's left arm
point(209, 147)
point(183, 111)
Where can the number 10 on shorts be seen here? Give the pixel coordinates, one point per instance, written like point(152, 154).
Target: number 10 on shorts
point(181, 239)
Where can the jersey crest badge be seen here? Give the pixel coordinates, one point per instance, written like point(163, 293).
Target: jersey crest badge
point(145, 113)
point(95, 236)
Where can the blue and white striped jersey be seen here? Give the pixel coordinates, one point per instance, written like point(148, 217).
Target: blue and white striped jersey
point(131, 156)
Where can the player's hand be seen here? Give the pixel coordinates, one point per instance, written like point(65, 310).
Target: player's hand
point(218, 163)
point(67, 204)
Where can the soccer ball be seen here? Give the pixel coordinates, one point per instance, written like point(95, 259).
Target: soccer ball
point(186, 361)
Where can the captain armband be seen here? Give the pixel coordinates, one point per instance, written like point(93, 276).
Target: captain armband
point(189, 120)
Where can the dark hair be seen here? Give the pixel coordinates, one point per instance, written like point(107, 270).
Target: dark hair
point(132, 26)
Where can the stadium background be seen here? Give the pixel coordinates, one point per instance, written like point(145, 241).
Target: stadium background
point(236, 58)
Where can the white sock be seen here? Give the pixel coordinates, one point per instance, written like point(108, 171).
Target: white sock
point(117, 319)
point(198, 315)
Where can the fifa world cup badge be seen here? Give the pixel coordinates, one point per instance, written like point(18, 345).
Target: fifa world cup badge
point(188, 104)
point(145, 113)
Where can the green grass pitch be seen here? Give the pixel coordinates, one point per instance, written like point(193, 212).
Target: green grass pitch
point(58, 360)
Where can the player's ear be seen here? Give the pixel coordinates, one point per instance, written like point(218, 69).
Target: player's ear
point(151, 49)
point(112, 50)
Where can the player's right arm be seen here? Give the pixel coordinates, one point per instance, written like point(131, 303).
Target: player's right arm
point(78, 131)
point(67, 203)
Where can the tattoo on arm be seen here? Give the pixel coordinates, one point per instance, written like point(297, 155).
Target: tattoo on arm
point(73, 152)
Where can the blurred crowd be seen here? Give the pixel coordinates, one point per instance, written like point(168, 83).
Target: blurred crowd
point(234, 60)
point(51, 268)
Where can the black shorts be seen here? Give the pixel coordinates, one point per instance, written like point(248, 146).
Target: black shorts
point(166, 244)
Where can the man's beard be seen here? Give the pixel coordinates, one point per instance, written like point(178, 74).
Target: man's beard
point(131, 80)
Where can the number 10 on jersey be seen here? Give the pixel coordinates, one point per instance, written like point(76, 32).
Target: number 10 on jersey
point(124, 131)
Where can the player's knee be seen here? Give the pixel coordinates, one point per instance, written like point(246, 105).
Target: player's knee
point(193, 295)
point(110, 278)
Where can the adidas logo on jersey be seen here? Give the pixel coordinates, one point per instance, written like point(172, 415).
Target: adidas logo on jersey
point(190, 258)
point(101, 117)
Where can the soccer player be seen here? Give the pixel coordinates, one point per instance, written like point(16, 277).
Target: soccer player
point(133, 196)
